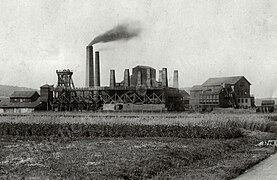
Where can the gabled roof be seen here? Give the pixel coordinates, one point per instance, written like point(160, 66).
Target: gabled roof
point(184, 94)
point(23, 94)
point(220, 80)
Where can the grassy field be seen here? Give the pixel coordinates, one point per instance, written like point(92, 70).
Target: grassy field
point(128, 158)
point(127, 146)
point(134, 118)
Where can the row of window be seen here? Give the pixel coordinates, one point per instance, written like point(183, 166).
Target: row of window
point(212, 96)
point(20, 100)
point(242, 100)
point(215, 102)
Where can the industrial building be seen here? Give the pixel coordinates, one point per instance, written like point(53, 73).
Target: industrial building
point(21, 102)
point(139, 91)
point(223, 92)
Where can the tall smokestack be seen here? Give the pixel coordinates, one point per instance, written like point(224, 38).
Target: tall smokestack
point(112, 78)
point(89, 67)
point(175, 79)
point(97, 69)
point(164, 77)
point(126, 78)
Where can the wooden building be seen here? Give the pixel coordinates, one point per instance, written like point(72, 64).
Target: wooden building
point(20, 102)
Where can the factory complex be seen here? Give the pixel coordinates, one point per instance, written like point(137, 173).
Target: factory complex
point(140, 90)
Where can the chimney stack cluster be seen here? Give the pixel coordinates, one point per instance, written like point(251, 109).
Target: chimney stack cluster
point(144, 77)
point(90, 81)
point(163, 79)
point(93, 74)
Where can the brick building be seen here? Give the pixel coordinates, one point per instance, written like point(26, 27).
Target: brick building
point(231, 91)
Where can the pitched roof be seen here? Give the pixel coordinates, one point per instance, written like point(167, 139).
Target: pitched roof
point(22, 94)
point(8, 104)
point(220, 80)
point(184, 94)
point(196, 88)
point(214, 90)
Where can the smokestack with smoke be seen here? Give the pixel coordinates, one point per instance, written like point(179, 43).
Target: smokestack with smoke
point(124, 31)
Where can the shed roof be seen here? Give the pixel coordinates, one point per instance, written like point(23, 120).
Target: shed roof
point(220, 80)
point(23, 94)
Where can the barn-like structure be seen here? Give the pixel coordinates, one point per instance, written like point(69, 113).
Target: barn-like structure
point(21, 102)
point(231, 91)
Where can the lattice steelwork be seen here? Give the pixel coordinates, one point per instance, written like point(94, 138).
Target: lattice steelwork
point(68, 98)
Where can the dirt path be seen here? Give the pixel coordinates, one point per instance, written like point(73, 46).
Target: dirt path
point(266, 170)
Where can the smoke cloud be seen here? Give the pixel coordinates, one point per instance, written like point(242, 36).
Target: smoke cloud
point(124, 31)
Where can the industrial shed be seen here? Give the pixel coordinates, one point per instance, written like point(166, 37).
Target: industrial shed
point(20, 102)
point(231, 91)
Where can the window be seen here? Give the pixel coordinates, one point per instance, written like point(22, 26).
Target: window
point(238, 100)
point(241, 100)
point(246, 100)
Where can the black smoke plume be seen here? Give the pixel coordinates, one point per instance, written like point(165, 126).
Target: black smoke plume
point(124, 31)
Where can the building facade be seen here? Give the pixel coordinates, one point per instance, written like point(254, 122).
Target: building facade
point(20, 102)
point(223, 92)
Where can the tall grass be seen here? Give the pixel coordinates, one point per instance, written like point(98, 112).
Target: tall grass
point(119, 130)
point(138, 125)
point(148, 119)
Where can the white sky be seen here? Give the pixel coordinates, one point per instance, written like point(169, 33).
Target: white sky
point(200, 38)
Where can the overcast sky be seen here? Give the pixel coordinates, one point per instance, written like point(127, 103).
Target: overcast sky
point(200, 38)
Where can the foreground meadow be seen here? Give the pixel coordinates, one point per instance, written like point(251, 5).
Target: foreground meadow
point(127, 146)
